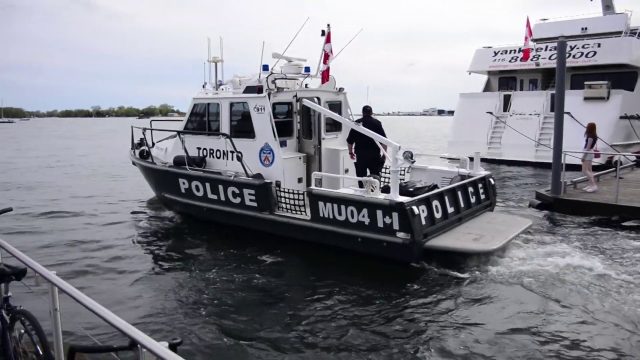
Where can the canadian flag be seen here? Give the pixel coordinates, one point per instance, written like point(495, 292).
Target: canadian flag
point(327, 56)
point(526, 50)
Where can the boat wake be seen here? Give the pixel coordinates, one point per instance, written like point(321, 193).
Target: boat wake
point(445, 271)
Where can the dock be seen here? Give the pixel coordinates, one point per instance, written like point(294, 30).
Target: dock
point(618, 195)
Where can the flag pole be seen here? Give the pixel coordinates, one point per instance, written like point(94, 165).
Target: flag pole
point(321, 53)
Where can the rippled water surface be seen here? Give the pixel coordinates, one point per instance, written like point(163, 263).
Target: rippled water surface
point(567, 288)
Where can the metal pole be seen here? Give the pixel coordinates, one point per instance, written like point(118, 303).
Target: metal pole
point(58, 349)
point(558, 120)
point(617, 179)
point(564, 173)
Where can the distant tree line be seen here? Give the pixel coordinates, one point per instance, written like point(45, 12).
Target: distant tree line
point(94, 111)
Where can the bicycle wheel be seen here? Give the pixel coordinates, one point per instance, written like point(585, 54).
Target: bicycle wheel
point(29, 340)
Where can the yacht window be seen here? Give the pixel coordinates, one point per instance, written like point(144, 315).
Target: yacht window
point(331, 125)
point(507, 83)
point(624, 80)
point(533, 84)
point(241, 124)
point(283, 118)
point(197, 118)
point(213, 117)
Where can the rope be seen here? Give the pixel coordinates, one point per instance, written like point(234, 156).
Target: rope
point(534, 140)
point(551, 148)
point(606, 143)
point(631, 124)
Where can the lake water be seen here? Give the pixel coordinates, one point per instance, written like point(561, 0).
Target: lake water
point(567, 288)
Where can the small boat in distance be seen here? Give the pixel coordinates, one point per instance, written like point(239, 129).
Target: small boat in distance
point(269, 153)
point(512, 119)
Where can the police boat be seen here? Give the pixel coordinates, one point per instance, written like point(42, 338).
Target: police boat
point(269, 153)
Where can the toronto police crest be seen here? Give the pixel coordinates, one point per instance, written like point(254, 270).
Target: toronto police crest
point(266, 155)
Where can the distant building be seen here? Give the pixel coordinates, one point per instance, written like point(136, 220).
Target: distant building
point(436, 112)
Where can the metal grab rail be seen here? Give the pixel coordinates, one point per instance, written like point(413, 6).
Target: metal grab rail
point(142, 339)
point(178, 133)
point(160, 120)
point(597, 175)
point(392, 146)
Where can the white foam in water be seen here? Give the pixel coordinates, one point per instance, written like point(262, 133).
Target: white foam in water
point(551, 255)
point(269, 258)
point(631, 223)
point(446, 271)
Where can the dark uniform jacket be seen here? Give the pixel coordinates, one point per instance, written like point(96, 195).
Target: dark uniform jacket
point(366, 147)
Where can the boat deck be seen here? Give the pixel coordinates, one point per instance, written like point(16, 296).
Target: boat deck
point(603, 202)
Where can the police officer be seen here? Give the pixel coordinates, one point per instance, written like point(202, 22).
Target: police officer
point(367, 153)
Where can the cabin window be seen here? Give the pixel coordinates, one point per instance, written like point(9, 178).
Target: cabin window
point(507, 83)
point(283, 118)
point(241, 124)
point(204, 117)
point(521, 84)
point(533, 84)
point(197, 120)
point(213, 117)
point(623, 80)
point(331, 125)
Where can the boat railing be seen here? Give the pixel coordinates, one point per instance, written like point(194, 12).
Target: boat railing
point(371, 184)
point(151, 121)
point(617, 170)
point(148, 348)
point(180, 134)
point(393, 148)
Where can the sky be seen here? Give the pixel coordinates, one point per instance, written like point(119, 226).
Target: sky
point(410, 55)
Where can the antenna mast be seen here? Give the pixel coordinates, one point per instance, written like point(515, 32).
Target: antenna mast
point(221, 59)
point(290, 42)
point(213, 60)
point(261, 56)
point(209, 56)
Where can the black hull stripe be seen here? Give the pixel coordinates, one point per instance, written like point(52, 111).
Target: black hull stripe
point(286, 220)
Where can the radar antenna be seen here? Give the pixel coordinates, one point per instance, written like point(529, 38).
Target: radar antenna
point(279, 56)
point(607, 7)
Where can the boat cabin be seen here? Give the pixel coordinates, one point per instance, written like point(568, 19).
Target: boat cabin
point(274, 133)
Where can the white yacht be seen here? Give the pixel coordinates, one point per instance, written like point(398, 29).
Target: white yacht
point(512, 119)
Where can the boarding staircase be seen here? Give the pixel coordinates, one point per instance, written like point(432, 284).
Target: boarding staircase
point(494, 141)
point(544, 137)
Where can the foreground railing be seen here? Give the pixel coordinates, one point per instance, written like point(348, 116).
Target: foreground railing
point(145, 343)
point(597, 175)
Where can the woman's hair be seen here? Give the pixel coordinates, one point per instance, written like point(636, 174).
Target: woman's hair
point(591, 130)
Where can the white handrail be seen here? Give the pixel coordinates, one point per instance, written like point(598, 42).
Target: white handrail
point(597, 175)
point(129, 330)
point(394, 178)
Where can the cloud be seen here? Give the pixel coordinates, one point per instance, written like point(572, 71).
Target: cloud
point(410, 55)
